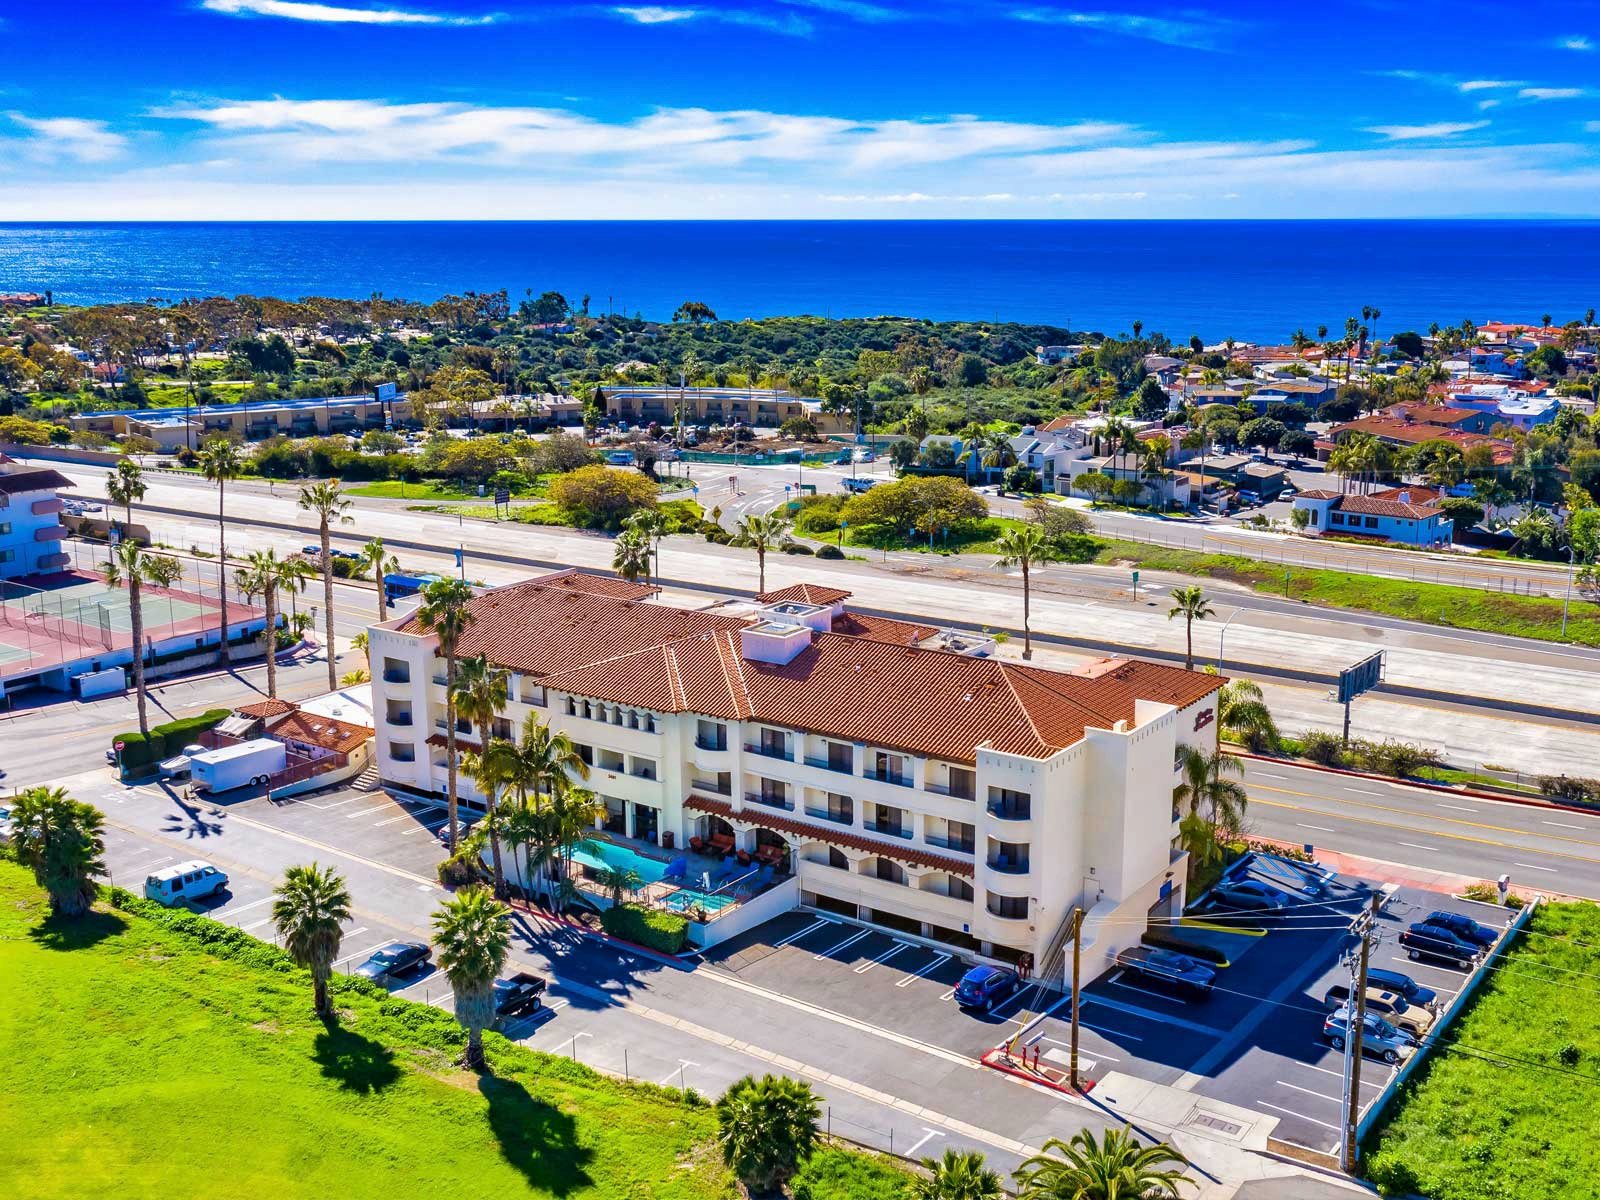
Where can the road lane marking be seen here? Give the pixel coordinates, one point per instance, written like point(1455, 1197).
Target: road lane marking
point(1560, 825)
point(1463, 808)
point(1531, 867)
point(884, 957)
point(932, 966)
point(927, 1136)
point(1364, 791)
point(1318, 828)
point(1418, 846)
point(849, 941)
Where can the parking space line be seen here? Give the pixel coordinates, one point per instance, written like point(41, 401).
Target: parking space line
point(849, 941)
point(1160, 1018)
point(1109, 1033)
point(948, 994)
point(794, 937)
point(884, 957)
point(927, 1136)
point(367, 953)
point(233, 912)
point(677, 1072)
point(1289, 1112)
point(356, 930)
point(932, 966)
point(405, 816)
point(1366, 1079)
point(1297, 1088)
point(364, 812)
point(1133, 987)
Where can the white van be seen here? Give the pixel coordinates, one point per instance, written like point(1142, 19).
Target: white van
point(186, 881)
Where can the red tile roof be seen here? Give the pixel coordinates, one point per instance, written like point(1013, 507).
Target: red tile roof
point(320, 731)
point(778, 823)
point(882, 629)
point(1372, 506)
point(573, 579)
point(271, 707)
point(805, 593)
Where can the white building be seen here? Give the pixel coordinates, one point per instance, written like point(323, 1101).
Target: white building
point(1409, 515)
point(961, 799)
point(30, 520)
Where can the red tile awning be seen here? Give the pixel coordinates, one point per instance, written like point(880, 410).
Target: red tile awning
point(778, 823)
point(462, 744)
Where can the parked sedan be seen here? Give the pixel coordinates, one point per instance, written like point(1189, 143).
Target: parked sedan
point(1437, 942)
point(1170, 968)
point(179, 765)
point(1463, 927)
point(523, 992)
point(1249, 895)
point(394, 959)
point(1403, 986)
point(1378, 1038)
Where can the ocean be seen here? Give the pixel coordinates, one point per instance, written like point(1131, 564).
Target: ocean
point(1250, 280)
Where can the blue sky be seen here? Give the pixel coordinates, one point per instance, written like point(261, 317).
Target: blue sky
point(256, 109)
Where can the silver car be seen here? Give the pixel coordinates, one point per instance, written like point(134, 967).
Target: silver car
point(1378, 1038)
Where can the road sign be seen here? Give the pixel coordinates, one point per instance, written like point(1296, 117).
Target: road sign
point(1363, 677)
point(118, 745)
point(502, 496)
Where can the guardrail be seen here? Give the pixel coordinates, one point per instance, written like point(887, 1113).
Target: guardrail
point(1479, 974)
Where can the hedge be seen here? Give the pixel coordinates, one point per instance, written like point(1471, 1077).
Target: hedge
point(666, 932)
point(165, 740)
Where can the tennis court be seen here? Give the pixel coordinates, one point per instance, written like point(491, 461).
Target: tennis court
point(93, 604)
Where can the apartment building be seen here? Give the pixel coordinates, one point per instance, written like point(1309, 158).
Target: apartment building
point(959, 798)
point(30, 519)
point(717, 406)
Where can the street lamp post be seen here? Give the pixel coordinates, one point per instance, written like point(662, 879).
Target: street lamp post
point(1566, 600)
point(1223, 635)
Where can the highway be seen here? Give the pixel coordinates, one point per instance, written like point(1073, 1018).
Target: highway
point(1540, 847)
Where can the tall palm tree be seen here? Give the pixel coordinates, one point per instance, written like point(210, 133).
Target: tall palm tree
point(651, 525)
point(260, 576)
point(378, 562)
point(473, 933)
point(1242, 712)
point(1116, 1167)
point(958, 1175)
point(566, 819)
point(328, 503)
point(766, 1127)
point(124, 486)
point(220, 461)
point(310, 908)
point(59, 840)
point(631, 555)
point(1023, 546)
point(519, 827)
point(1191, 604)
point(132, 566)
point(1207, 792)
point(445, 612)
point(549, 759)
point(762, 532)
point(482, 691)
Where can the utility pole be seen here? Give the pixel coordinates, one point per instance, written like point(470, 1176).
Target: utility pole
point(1077, 955)
point(1355, 1026)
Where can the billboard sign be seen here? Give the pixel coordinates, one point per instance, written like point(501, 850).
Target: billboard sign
point(386, 391)
point(1363, 677)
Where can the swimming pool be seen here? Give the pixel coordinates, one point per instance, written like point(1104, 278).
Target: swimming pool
point(600, 856)
point(685, 899)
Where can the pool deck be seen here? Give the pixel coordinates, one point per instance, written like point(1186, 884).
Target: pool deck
point(699, 866)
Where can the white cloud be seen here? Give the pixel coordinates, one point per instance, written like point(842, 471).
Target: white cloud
point(336, 14)
point(1550, 93)
point(857, 10)
point(657, 14)
point(1577, 42)
point(1439, 129)
point(74, 138)
point(1193, 30)
point(353, 131)
point(1485, 85)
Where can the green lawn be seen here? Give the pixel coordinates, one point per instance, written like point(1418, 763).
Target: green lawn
point(1471, 1127)
point(165, 1055)
point(680, 514)
point(428, 489)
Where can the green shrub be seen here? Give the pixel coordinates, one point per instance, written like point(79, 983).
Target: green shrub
point(136, 751)
point(1392, 757)
point(1391, 1175)
point(797, 548)
point(1571, 788)
point(1321, 747)
point(718, 535)
point(828, 550)
point(1487, 893)
point(165, 740)
point(666, 932)
point(835, 1174)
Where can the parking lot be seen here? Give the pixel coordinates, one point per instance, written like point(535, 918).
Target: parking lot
point(1255, 1042)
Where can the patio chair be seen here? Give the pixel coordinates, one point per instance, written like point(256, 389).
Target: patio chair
point(676, 870)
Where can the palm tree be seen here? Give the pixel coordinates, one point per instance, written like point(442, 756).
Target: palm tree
point(631, 555)
point(762, 532)
point(481, 692)
point(264, 574)
point(651, 525)
point(124, 486)
point(473, 932)
point(958, 1175)
point(445, 612)
point(766, 1127)
point(519, 827)
point(549, 759)
point(310, 908)
point(378, 562)
point(493, 770)
point(221, 461)
point(620, 881)
point(1242, 711)
point(569, 818)
point(328, 502)
point(59, 840)
point(1023, 546)
point(1191, 604)
point(1116, 1167)
point(1205, 790)
point(131, 565)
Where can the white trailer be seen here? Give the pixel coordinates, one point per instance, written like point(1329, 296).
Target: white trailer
point(252, 762)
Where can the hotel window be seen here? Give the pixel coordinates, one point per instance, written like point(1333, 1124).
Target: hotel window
point(1372, 522)
point(958, 888)
point(890, 870)
point(402, 752)
point(837, 859)
point(1013, 908)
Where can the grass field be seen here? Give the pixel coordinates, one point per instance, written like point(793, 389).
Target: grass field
point(1509, 1113)
point(165, 1055)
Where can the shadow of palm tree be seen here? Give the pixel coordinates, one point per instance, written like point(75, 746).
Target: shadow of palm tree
point(56, 932)
point(357, 1063)
point(537, 1139)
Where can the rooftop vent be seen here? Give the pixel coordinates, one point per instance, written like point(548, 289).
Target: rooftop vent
point(772, 641)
